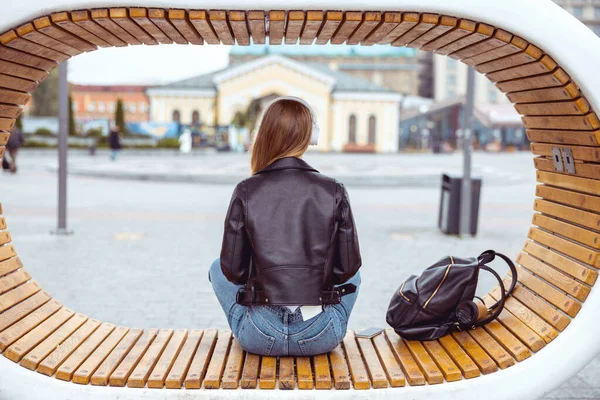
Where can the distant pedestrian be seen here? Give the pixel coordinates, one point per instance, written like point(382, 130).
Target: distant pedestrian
point(15, 141)
point(114, 142)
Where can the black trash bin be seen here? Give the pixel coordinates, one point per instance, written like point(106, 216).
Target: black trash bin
point(449, 215)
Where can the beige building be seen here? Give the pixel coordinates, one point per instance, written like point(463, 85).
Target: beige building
point(353, 114)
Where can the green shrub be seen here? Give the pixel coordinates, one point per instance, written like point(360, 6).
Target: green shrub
point(168, 143)
point(36, 144)
point(43, 132)
point(94, 132)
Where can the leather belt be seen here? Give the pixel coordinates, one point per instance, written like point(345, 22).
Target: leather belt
point(249, 296)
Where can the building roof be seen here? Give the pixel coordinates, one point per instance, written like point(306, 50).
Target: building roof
point(343, 82)
point(327, 50)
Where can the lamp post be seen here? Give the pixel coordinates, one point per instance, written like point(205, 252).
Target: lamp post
point(466, 190)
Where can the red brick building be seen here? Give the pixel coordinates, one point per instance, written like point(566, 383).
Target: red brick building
point(93, 102)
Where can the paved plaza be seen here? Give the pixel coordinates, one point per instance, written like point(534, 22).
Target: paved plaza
point(147, 230)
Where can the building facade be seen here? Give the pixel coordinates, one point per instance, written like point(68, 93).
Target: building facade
point(396, 68)
point(97, 102)
point(353, 114)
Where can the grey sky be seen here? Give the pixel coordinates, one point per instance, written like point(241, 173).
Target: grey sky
point(146, 64)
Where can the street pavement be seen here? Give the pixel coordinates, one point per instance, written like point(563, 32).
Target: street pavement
point(142, 245)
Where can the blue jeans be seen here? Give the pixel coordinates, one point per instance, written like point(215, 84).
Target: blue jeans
point(275, 330)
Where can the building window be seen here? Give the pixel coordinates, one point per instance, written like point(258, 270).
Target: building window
point(597, 12)
point(492, 95)
point(195, 117)
point(451, 93)
point(132, 107)
point(176, 116)
point(112, 106)
point(578, 12)
point(91, 106)
point(372, 129)
point(451, 79)
point(101, 106)
point(452, 63)
point(352, 129)
point(143, 107)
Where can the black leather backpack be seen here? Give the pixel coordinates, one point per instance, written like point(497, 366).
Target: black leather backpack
point(442, 299)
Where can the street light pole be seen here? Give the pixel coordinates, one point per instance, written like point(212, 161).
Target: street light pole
point(63, 133)
point(465, 203)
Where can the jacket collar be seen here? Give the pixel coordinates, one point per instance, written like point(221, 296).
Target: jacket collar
point(287, 163)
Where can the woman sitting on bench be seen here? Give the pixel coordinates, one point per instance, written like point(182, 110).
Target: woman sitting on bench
point(288, 274)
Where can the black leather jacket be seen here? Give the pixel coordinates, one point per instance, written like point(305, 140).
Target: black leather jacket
point(281, 221)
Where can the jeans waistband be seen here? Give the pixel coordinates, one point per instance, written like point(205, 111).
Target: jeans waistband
point(282, 311)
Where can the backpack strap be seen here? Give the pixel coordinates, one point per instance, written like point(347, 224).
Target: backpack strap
point(487, 257)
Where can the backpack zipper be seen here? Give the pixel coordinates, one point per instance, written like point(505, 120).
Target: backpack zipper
point(402, 294)
point(440, 284)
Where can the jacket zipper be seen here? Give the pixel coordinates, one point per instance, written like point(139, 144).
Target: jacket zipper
point(440, 284)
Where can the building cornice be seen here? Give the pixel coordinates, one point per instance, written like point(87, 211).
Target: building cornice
point(181, 92)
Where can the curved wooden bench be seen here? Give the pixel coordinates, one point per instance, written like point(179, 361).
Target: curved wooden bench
point(558, 266)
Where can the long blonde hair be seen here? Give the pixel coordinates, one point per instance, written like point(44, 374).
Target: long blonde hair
point(284, 131)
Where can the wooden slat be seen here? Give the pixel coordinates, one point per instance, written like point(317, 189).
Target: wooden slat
point(295, 22)
point(333, 19)
point(7, 251)
point(553, 79)
point(388, 361)
point(411, 369)
point(23, 326)
point(55, 359)
point(9, 111)
point(10, 265)
point(120, 375)
point(167, 359)
point(558, 261)
point(250, 371)
point(304, 373)
point(200, 21)
point(484, 362)
point(481, 33)
point(467, 366)
point(268, 372)
point(585, 185)
point(577, 251)
point(19, 57)
point(585, 138)
point(102, 17)
point(86, 370)
point(256, 22)
point(78, 357)
point(370, 21)
point(21, 302)
point(37, 335)
point(521, 53)
point(13, 280)
point(558, 279)
point(184, 360)
point(444, 24)
point(520, 330)
point(158, 16)
point(237, 19)
point(140, 374)
point(287, 379)
point(233, 368)
point(218, 360)
point(4, 136)
point(45, 26)
point(17, 85)
point(580, 217)
point(358, 370)
point(565, 92)
point(575, 122)
point(582, 153)
point(83, 20)
point(443, 361)
point(2, 223)
point(140, 16)
point(425, 362)
point(28, 32)
point(4, 239)
point(407, 22)
point(552, 295)
point(218, 19)
point(179, 19)
point(103, 373)
point(314, 21)
point(63, 20)
point(575, 107)
point(322, 372)
point(502, 358)
point(43, 349)
point(532, 320)
point(339, 369)
point(541, 307)
point(543, 66)
point(498, 39)
point(463, 28)
point(503, 336)
point(21, 71)
point(426, 23)
point(351, 21)
point(195, 375)
point(374, 368)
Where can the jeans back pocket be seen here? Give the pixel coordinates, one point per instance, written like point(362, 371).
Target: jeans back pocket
point(322, 342)
point(252, 339)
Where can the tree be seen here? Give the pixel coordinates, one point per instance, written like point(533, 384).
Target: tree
point(45, 97)
point(120, 117)
point(19, 123)
point(72, 127)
